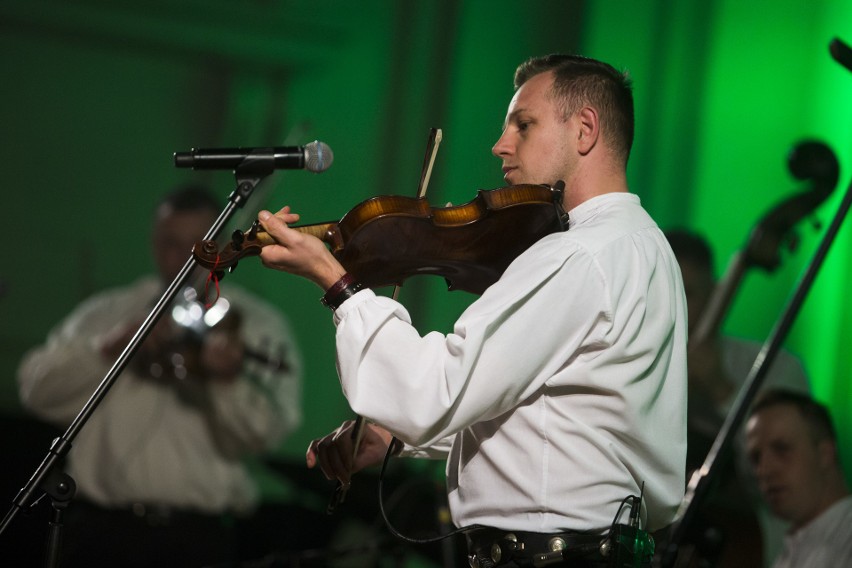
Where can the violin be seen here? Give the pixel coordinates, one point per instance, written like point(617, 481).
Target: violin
point(180, 357)
point(740, 527)
point(386, 239)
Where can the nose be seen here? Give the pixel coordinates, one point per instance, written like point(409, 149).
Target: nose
point(503, 146)
point(764, 468)
point(758, 468)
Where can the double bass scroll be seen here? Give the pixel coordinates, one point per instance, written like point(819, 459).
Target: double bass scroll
point(809, 160)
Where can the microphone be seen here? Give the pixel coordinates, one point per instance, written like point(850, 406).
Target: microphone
point(315, 157)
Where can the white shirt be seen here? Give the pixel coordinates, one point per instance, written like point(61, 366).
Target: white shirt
point(785, 372)
point(824, 542)
point(563, 386)
point(148, 441)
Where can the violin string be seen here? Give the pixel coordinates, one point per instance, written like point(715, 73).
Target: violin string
point(215, 278)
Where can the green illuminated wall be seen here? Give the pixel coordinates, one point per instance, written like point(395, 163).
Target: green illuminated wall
point(97, 96)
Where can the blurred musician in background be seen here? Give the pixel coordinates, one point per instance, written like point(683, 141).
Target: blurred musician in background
point(717, 369)
point(792, 447)
point(160, 471)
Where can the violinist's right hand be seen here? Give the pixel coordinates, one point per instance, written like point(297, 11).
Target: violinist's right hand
point(333, 453)
point(298, 253)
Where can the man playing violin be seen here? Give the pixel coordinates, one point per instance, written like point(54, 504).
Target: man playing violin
point(560, 394)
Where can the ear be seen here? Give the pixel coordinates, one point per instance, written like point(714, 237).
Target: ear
point(589, 129)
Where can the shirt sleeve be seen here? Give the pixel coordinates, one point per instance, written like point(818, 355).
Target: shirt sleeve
point(57, 378)
point(437, 450)
point(549, 304)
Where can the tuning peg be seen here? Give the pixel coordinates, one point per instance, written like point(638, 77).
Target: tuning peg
point(793, 241)
point(815, 223)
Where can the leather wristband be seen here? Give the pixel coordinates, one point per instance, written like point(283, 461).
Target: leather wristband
point(341, 291)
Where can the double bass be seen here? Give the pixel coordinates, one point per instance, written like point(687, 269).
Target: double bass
point(730, 535)
point(810, 160)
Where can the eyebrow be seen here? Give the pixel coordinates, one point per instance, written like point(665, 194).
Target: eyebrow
point(513, 115)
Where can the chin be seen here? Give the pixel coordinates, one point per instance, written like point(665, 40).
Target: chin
point(783, 512)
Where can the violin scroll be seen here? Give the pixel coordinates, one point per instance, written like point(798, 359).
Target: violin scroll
point(249, 243)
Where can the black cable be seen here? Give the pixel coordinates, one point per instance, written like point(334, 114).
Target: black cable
point(392, 529)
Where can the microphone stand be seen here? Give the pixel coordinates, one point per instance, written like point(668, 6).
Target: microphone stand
point(701, 481)
point(60, 486)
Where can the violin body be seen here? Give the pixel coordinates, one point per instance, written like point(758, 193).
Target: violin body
point(179, 357)
point(384, 240)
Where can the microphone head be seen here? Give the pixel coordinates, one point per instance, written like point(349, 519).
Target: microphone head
point(318, 156)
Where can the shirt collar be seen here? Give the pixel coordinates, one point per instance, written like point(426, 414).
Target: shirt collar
point(826, 520)
point(589, 208)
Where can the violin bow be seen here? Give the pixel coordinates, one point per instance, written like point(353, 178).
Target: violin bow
point(435, 137)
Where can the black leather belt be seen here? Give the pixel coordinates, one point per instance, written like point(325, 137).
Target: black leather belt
point(489, 547)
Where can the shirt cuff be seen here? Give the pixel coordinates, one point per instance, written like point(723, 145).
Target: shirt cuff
point(352, 303)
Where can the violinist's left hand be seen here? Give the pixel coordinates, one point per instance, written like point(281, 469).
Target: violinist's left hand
point(298, 253)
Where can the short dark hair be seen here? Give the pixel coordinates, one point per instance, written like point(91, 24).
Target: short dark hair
point(190, 197)
point(581, 80)
point(816, 415)
point(691, 247)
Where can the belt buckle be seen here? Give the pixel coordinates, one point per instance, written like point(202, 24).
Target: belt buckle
point(496, 552)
